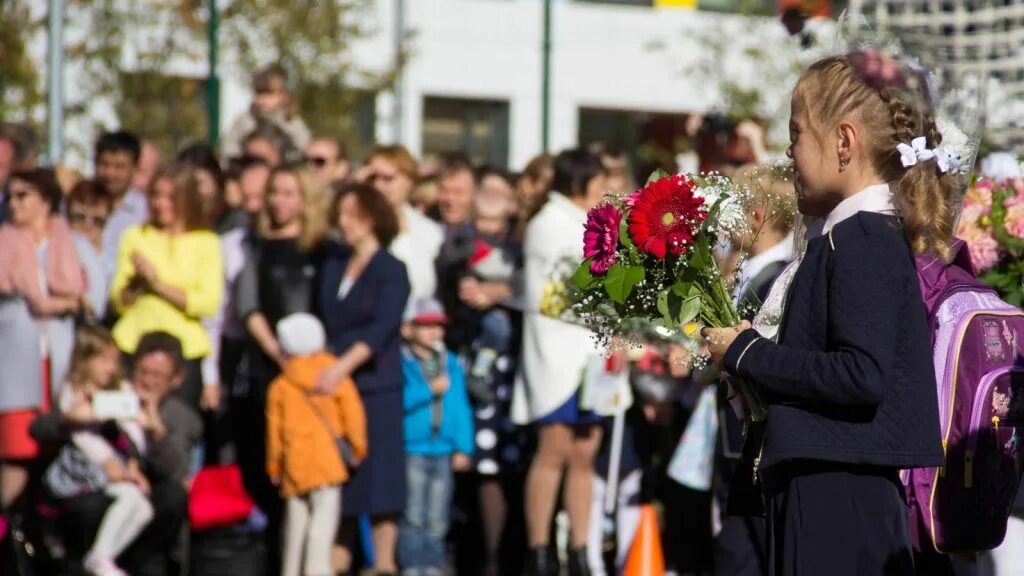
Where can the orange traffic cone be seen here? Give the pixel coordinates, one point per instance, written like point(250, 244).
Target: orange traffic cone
point(645, 557)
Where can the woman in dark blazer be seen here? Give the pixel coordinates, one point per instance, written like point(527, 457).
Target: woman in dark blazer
point(363, 292)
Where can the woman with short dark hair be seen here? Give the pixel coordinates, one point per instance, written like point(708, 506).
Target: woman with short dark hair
point(363, 292)
point(88, 208)
point(42, 287)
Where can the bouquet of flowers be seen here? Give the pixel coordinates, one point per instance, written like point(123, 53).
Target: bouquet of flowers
point(651, 260)
point(992, 224)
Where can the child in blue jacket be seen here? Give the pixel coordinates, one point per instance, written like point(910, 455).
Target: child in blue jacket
point(438, 437)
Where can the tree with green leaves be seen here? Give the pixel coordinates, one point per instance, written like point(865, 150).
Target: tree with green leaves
point(313, 40)
point(139, 58)
point(20, 82)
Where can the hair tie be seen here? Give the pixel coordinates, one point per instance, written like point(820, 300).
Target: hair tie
point(918, 151)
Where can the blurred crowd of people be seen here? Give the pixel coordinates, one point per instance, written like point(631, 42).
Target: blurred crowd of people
point(357, 343)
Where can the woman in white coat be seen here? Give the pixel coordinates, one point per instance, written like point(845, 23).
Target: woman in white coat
point(555, 356)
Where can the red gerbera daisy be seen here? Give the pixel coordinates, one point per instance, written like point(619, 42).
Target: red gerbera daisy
point(665, 216)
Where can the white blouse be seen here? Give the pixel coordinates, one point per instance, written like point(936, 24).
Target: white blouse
point(555, 354)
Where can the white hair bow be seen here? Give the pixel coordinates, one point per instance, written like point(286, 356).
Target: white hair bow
point(918, 151)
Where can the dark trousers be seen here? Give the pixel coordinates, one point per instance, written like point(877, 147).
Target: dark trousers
point(151, 554)
point(221, 426)
point(836, 519)
point(249, 421)
point(191, 389)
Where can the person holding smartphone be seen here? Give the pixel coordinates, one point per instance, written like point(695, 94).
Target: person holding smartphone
point(109, 454)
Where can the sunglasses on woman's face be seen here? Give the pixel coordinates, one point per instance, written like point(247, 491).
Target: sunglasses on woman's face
point(316, 161)
point(76, 217)
point(383, 178)
point(19, 193)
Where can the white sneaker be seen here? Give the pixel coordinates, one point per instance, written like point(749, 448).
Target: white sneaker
point(102, 567)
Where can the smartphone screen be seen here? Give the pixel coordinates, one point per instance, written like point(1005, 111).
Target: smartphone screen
point(115, 405)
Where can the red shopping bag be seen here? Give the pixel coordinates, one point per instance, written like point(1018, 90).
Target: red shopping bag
point(218, 498)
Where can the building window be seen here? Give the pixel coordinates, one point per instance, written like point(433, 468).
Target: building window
point(476, 128)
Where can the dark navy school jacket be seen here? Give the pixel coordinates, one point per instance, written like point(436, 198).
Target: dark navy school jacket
point(371, 313)
point(851, 378)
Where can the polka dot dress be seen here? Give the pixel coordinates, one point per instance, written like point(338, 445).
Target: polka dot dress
point(500, 444)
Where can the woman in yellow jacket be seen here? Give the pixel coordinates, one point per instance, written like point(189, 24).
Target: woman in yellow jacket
point(169, 276)
point(303, 458)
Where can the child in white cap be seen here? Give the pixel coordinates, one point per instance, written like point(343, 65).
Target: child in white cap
point(312, 441)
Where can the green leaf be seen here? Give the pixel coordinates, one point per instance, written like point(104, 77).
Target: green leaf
point(688, 275)
point(657, 175)
point(682, 288)
point(688, 310)
point(624, 238)
point(663, 305)
point(695, 292)
point(700, 253)
point(583, 279)
point(620, 281)
point(1014, 299)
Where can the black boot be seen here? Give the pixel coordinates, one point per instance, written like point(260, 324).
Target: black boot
point(541, 561)
point(578, 565)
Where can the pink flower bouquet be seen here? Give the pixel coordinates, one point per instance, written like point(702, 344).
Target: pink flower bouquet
point(992, 224)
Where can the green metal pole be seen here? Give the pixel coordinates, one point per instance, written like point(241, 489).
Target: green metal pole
point(546, 79)
point(213, 81)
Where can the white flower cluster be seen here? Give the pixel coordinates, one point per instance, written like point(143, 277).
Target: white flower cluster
point(955, 141)
point(732, 212)
point(731, 215)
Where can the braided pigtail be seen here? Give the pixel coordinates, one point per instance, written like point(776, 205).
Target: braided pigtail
point(923, 194)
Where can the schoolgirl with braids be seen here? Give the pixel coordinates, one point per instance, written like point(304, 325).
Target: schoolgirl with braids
point(849, 381)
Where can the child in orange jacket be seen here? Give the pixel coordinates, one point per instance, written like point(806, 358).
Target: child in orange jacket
point(303, 459)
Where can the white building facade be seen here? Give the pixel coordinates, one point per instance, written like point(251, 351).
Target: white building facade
point(474, 76)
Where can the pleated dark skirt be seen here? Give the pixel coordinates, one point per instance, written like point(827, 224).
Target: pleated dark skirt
point(836, 520)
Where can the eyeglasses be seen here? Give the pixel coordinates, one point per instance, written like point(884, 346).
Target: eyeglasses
point(384, 178)
point(143, 372)
point(21, 196)
point(82, 218)
point(316, 161)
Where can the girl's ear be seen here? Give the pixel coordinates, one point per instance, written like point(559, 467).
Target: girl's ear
point(847, 141)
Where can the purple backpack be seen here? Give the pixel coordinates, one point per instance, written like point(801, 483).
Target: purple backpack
point(964, 506)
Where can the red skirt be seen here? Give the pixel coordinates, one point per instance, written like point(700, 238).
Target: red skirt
point(15, 441)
